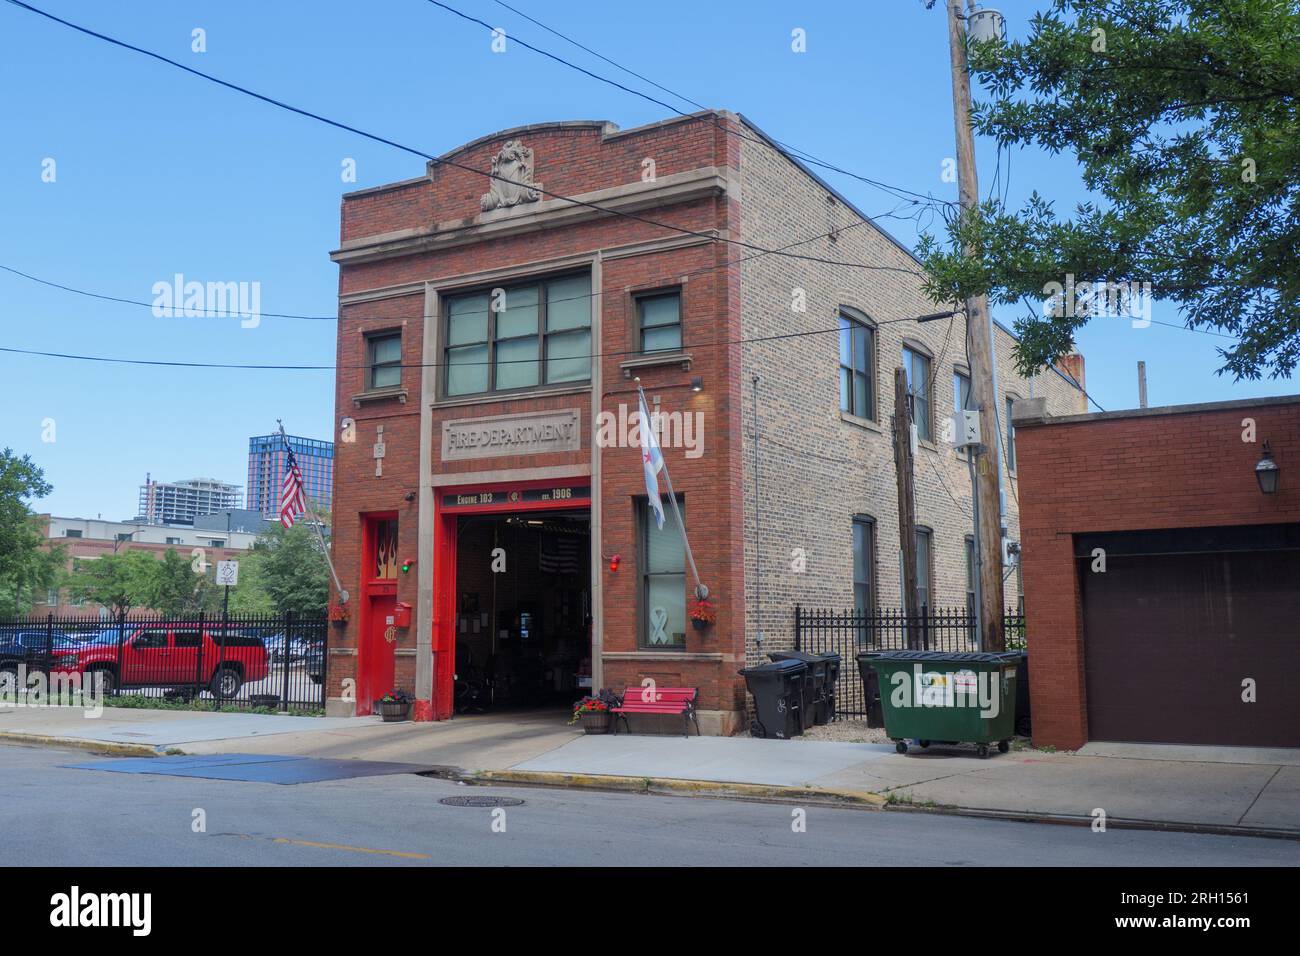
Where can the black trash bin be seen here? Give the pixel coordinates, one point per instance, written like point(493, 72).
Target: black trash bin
point(827, 710)
point(871, 688)
point(778, 690)
point(824, 670)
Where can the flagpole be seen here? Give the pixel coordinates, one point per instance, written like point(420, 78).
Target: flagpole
point(700, 590)
point(315, 522)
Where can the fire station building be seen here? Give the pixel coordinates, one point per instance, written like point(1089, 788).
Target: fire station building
point(490, 518)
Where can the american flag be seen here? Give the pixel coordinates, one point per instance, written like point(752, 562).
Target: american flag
point(292, 500)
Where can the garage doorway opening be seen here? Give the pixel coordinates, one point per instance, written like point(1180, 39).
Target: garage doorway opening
point(523, 616)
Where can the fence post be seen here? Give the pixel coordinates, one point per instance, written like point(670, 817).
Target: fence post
point(288, 634)
point(798, 630)
point(198, 665)
point(49, 647)
point(121, 639)
point(324, 659)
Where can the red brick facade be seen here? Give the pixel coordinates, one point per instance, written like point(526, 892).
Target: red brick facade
point(404, 246)
point(1163, 468)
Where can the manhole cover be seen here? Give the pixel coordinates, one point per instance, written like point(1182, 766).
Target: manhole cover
point(481, 801)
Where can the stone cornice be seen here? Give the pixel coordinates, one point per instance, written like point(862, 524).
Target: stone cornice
point(702, 183)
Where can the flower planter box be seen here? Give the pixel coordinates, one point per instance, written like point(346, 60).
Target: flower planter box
point(393, 711)
point(596, 722)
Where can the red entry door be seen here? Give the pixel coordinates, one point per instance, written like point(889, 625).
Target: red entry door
point(377, 654)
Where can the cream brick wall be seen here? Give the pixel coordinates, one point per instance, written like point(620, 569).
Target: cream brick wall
point(816, 468)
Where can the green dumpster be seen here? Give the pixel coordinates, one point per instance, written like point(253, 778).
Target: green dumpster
point(962, 697)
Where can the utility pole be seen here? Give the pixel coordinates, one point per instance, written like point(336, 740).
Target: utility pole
point(906, 501)
point(979, 331)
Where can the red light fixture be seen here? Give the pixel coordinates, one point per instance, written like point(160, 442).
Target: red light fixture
point(406, 565)
point(615, 561)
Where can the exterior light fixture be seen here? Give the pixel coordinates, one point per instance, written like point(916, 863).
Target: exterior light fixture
point(1266, 471)
point(615, 561)
point(406, 565)
point(697, 383)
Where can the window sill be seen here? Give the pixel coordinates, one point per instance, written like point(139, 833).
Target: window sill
point(666, 654)
point(496, 398)
point(379, 395)
point(656, 359)
point(864, 423)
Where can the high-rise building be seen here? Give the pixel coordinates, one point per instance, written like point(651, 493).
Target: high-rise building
point(180, 502)
point(266, 464)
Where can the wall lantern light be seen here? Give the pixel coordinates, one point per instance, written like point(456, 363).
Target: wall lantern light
point(1266, 471)
point(697, 383)
point(615, 561)
point(406, 565)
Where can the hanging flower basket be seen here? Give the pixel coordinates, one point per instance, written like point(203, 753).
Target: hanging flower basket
point(339, 613)
point(703, 614)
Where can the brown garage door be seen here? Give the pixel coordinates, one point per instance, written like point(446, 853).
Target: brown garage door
point(1169, 639)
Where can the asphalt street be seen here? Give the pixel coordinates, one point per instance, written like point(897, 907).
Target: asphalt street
point(54, 816)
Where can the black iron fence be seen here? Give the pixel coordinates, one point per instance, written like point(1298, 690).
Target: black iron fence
point(272, 661)
point(848, 633)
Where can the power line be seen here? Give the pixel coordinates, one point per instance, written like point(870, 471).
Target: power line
point(442, 161)
point(207, 313)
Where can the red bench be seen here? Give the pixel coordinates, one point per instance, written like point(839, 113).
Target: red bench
point(659, 700)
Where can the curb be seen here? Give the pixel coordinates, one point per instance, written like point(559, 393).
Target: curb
point(677, 786)
point(77, 743)
point(1116, 823)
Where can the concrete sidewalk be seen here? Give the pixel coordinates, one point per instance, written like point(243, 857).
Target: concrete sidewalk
point(479, 743)
point(1248, 788)
point(1229, 789)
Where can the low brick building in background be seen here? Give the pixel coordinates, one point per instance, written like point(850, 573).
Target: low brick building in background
point(1162, 581)
point(489, 512)
point(85, 539)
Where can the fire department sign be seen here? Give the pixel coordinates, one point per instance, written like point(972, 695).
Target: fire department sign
point(528, 433)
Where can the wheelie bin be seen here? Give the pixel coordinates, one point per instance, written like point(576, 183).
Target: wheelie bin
point(815, 707)
point(960, 697)
point(778, 690)
point(870, 688)
point(826, 712)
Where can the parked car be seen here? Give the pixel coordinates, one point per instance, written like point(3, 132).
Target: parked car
point(170, 657)
point(280, 650)
point(316, 662)
point(28, 647)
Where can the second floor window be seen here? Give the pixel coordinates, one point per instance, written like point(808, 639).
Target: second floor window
point(917, 367)
point(521, 336)
point(659, 318)
point(384, 358)
point(857, 384)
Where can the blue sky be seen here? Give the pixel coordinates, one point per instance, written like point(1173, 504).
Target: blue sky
point(159, 173)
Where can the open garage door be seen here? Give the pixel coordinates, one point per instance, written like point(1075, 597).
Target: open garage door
point(1170, 635)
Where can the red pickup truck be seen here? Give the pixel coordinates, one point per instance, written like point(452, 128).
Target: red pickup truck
point(164, 656)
